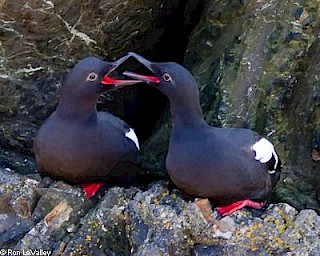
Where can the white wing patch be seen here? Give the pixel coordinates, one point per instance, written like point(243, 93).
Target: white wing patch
point(132, 136)
point(264, 151)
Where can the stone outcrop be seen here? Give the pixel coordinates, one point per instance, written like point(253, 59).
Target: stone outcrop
point(155, 221)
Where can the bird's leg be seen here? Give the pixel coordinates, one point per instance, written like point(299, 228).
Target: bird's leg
point(90, 189)
point(228, 209)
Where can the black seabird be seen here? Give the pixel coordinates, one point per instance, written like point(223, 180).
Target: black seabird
point(233, 167)
point(77, 143)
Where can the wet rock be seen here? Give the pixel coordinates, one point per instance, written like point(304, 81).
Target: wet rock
point(165, 229)
point(103, 230)
point(304, 230)
point(131, 221)
point(245, 232)
point(57, 213)
point(13, 228)
point(18, 193)
point(61, 192)
point(155, 221)
point(18, 198)
point(207, 250)
point(19, 162)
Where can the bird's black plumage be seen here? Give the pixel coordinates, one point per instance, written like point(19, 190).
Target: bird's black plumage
point(77, 143)
point(223, 164)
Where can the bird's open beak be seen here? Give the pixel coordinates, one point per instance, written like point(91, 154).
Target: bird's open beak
point(117, 83)
point(148, 65)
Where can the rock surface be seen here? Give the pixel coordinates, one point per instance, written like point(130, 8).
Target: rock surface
point(155, 221)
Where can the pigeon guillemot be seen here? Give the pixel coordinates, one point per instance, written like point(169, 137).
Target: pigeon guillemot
point(77, 143)
point(233, 167)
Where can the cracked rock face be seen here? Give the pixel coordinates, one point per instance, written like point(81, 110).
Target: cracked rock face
point(154, 221)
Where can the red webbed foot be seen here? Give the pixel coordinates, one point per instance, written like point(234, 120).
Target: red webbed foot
point(90, 189)
point(228, 209)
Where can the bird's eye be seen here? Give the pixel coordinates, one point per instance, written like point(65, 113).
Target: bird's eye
point(92, 77)
point(166, 77)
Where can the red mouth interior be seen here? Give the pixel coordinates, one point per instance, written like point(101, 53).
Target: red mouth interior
point(109, 80)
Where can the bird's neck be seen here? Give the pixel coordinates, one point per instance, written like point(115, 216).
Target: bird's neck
point(71, 111)
point(187, 114)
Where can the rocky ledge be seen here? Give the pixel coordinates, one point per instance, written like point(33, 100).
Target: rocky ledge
point(156, 220)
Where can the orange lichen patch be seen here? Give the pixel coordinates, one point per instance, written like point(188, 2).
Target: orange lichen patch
point(239, 234)
point(268, 218)
point(165, 193)
point(94, 224)
point(282, 228)
point(256, 241)
point(77, 250)
point(156, 201)
point(266, 235)
point(249, 233)
point(278, 241)
point(59, 214)
point(281, 224)
point(205, 208)
point(260, 225)
point(277, 222)
point(61, 249)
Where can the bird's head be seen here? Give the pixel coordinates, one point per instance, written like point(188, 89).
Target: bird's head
point(90, 77)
